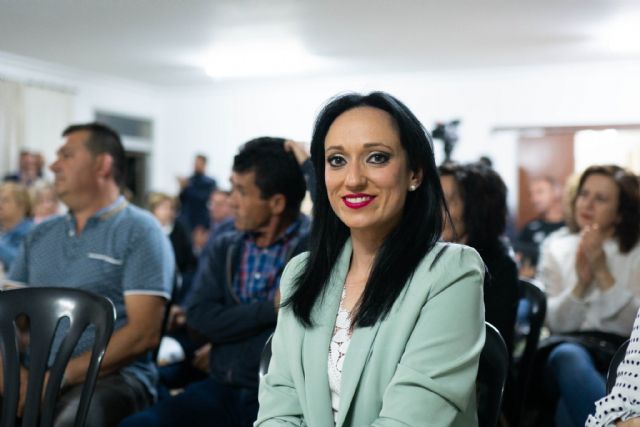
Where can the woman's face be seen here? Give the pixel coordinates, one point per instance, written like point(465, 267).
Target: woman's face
point(164, 212)
point(597, 203)
point(46, 204)
point(366, 170)
point(456, 210)
point(10, 210)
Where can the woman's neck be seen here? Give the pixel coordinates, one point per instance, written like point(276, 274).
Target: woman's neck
point(365, 248)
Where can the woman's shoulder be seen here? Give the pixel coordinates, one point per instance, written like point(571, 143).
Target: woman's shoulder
point(446, 254)
point(298, 262)
point(447, 267)
point(450, 260)
point(294, 267)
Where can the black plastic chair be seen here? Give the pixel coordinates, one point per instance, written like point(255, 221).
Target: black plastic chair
point(492, 376)
point(265, 357)
point(527, 338)
point(618, 357)
point(530, 329)
point(44, 308)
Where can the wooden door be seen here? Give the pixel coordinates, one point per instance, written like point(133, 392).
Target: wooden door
point(547, 154)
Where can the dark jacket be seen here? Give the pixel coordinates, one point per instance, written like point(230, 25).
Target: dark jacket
point(236, 331)
point(501, 294)
point(193, 201)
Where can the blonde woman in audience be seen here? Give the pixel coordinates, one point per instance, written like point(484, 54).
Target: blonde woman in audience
point(381, 324)
point(622, 405)
point(44, 201)
point(15, 208)
point(163, 208)
point(591, 271)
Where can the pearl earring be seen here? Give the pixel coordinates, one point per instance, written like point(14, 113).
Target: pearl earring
point(412, 187)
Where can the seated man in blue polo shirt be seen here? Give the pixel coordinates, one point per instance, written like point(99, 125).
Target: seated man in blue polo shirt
point(236, 296)
point(107, 246)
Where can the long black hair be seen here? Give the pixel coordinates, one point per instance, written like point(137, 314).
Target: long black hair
point(484, 201)
point(404, 247)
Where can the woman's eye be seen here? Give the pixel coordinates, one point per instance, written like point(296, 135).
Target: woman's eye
point(379, 158)
point(335, 161)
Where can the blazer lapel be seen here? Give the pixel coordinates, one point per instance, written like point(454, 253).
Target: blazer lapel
point(355, 360)
point(316, 344)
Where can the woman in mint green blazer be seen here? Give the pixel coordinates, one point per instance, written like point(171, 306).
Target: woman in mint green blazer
point(381, 324)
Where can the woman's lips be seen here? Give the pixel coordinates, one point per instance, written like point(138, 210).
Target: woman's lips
point(586, 218)
point(357, 201)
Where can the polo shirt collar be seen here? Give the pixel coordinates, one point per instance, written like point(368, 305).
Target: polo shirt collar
point(106, 212)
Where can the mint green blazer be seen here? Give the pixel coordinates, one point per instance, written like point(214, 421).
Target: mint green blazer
point(417, 367)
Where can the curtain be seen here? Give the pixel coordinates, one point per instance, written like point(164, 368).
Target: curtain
point(47, 113)
point(11, 125)
point(31, 118)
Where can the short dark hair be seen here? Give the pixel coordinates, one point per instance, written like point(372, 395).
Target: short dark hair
point(103, 140)
point(403, 249)
point(627, 231)
point(276, 171)
point(202, 157)
point(484, 201)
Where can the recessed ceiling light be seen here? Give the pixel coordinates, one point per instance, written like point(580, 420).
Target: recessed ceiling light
point(621, 34)
point(262, 58)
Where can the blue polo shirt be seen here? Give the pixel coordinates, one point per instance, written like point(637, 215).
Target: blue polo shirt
point(121, 251)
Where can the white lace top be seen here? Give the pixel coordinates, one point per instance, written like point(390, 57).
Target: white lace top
point(624, 400)
point(337, 350)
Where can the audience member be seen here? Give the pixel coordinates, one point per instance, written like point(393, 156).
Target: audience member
point(381, 323)
point(28, 172)
point(546, 196)
point(622, 404)
point(194, 194)
point(220, 208)
point(476, 199)
point(591, 271)
point(110, 247)
point(237, 294)
point(220, 217)
point(44, 201)
point(163, 208)
point(15, 208)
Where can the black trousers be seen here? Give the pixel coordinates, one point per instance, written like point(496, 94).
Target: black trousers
point(115, 397)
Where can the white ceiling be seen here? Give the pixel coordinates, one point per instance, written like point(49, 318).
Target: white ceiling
point(164, 42)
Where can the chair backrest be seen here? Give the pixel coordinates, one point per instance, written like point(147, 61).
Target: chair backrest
point(534, 301)
point(532, 311)
point(492, 376)
point(265, 357)
point(45, 307)
point(618, 357)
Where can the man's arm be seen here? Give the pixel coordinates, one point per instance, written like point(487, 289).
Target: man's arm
point(139, 335)
point(211, 315)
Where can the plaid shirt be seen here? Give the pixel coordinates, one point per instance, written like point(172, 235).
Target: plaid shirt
point(260, 268)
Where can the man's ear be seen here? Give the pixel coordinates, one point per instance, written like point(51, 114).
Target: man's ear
point(104, 165)
point(277, 203)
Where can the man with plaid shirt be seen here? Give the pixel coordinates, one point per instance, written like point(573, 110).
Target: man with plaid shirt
point(237, 295)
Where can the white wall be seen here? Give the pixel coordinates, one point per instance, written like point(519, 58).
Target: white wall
point(216, 120)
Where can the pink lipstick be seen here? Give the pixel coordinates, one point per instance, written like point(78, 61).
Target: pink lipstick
point(357, 201)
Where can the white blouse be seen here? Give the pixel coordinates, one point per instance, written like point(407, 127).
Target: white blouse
point(613, 310)
point(623, 402)
point(337, 352)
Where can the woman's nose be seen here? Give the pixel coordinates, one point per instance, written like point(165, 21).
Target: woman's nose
point(355, 177)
